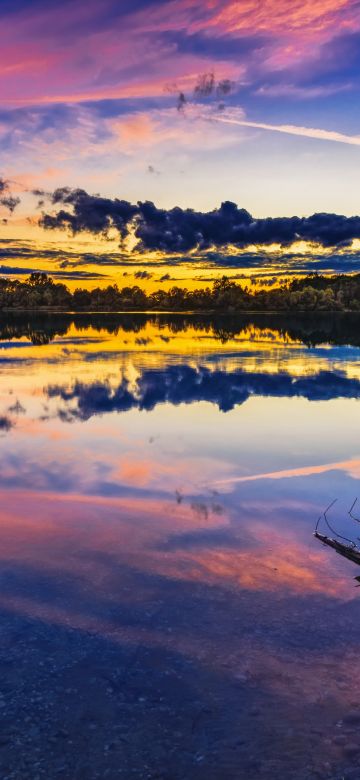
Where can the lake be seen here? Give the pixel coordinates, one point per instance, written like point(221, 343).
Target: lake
point(166, 612)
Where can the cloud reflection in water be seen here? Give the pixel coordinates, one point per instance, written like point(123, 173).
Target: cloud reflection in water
point(135, 510)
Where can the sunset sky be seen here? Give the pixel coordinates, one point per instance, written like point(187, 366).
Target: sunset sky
point(182, 103)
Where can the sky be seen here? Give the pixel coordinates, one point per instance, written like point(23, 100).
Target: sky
point(183, 104)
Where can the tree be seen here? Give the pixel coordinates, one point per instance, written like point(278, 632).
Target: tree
point(39, 279)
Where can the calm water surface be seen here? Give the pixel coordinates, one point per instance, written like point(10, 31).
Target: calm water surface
point(165, 610)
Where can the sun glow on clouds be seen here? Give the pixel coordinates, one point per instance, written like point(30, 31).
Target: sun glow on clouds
point(274, 16)
point(89, 99)
point(194, 128)
point(35, 51)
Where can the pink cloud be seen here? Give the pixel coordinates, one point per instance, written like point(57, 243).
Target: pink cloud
point(196, 128)
point(282, 16)
point(49, 56)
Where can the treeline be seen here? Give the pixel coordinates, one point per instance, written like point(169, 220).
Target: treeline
point(312, 329)
point(312, 293)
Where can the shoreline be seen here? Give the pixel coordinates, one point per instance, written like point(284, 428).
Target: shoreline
point(177, 312)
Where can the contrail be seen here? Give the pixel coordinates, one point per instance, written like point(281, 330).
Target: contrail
point(307, 132)
point(350, 466)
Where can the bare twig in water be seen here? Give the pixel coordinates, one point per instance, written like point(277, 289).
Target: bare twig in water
point(324, 515)
point(350, 512)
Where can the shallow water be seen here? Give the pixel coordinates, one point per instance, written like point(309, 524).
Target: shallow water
point(165, 609)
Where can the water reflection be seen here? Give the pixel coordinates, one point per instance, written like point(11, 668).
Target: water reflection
point(310, 329)
point(162, 595)
point(184, 384)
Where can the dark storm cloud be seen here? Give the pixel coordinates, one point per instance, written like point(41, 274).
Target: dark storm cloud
point(7, 200)
point(185, 384)
point(168, 278)
point(142, 275)
point(5, 423)
point(183, 230)
point(90, 212)
point(10, 202)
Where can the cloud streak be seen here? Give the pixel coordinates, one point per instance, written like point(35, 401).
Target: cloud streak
point(10, 270)
point(305, 132)
point(352, 467)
